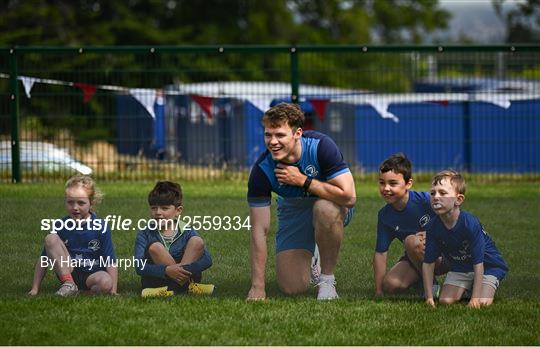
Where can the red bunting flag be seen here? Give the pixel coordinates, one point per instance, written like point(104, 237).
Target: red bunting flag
point(88, 90)
point(440, 102)
point(320, 107)
point(205, 102)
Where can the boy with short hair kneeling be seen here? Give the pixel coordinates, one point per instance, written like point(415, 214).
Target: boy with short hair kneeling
point(475, 262)
point(175, 253)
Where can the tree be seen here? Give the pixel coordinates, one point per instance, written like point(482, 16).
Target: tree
point(522, 21)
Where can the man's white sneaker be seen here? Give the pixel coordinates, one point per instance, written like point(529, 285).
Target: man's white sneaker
point(327, 290)
point(67, 289)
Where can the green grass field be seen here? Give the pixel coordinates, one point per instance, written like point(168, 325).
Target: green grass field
point(509, 212)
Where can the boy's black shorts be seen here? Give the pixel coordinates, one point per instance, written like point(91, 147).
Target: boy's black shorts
point(80, 277)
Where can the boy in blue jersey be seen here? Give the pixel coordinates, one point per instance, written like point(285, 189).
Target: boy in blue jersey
point(475, 262)
point(404, 217)
point(316, 196)
point(170, 253)
point(79, 249)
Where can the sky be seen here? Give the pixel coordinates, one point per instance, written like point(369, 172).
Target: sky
point(476, 19)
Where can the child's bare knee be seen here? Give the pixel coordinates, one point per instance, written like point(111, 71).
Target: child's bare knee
point(392, 285)
point(486, 301)
point(155, 247)
point(106, 284)
point(51, 240)
point(196, 243)
point(446, 300)
point(103, 285)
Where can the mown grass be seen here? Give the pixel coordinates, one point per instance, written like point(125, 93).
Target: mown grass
point(509, 212)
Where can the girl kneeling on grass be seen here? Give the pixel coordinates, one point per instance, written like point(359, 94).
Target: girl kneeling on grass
point(78, 245)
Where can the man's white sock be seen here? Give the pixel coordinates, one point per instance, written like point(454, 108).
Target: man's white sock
point(327, 278)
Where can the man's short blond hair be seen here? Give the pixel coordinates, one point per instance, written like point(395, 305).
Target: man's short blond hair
point(456, 180)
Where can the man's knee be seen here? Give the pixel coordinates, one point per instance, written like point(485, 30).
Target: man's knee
point(293, 287)
point(327, 214)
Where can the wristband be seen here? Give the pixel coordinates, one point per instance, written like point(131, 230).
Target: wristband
point(307, 183)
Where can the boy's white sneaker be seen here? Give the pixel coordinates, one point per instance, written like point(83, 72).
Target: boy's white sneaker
point(67, 289)
point(327, 289)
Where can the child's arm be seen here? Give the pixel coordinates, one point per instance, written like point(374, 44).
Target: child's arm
point(113, 272)
point(427, 274)
point(379, 270)
point(39, 274)
point(477, 285)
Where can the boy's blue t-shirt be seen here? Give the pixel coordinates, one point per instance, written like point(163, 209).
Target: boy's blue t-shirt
point(465, 245)
point(393, 224)
point(91, 247)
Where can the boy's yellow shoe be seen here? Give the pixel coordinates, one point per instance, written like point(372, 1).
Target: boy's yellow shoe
point(200, 288)
point(156, 292)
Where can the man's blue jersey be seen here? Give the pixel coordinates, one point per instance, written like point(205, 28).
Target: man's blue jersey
point(86, 246)
point(465, 245)
point(393, 224)
point(320, 159)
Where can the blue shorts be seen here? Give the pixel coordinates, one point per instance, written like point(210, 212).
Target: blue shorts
point(295, 219)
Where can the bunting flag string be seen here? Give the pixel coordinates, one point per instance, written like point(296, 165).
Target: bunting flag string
point(146, 97)
point(28, 83)
point(88, 90)
point(380, 102)
point(320, 107)
point(205, 102)
point(439, 102)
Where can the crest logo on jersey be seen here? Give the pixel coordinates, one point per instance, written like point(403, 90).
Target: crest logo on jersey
point(424, 220)
point(465, 247)
point(397, 228)
point(311, 171)
point(94, 244)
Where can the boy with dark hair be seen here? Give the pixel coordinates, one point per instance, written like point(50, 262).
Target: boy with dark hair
point(175, 253)
point(475, 262)
point(404, 217)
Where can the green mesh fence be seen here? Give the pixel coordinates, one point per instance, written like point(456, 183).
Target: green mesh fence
point(143, 113)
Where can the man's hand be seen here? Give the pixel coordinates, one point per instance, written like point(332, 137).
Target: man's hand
point(290, 175)
point(474, 303)
point(256, 294)
point(430, 302)
point(33, 292)
point(178, 274)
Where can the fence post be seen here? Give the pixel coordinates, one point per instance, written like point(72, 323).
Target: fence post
point(467, 141)
point(295, 79)
point(14, 117)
